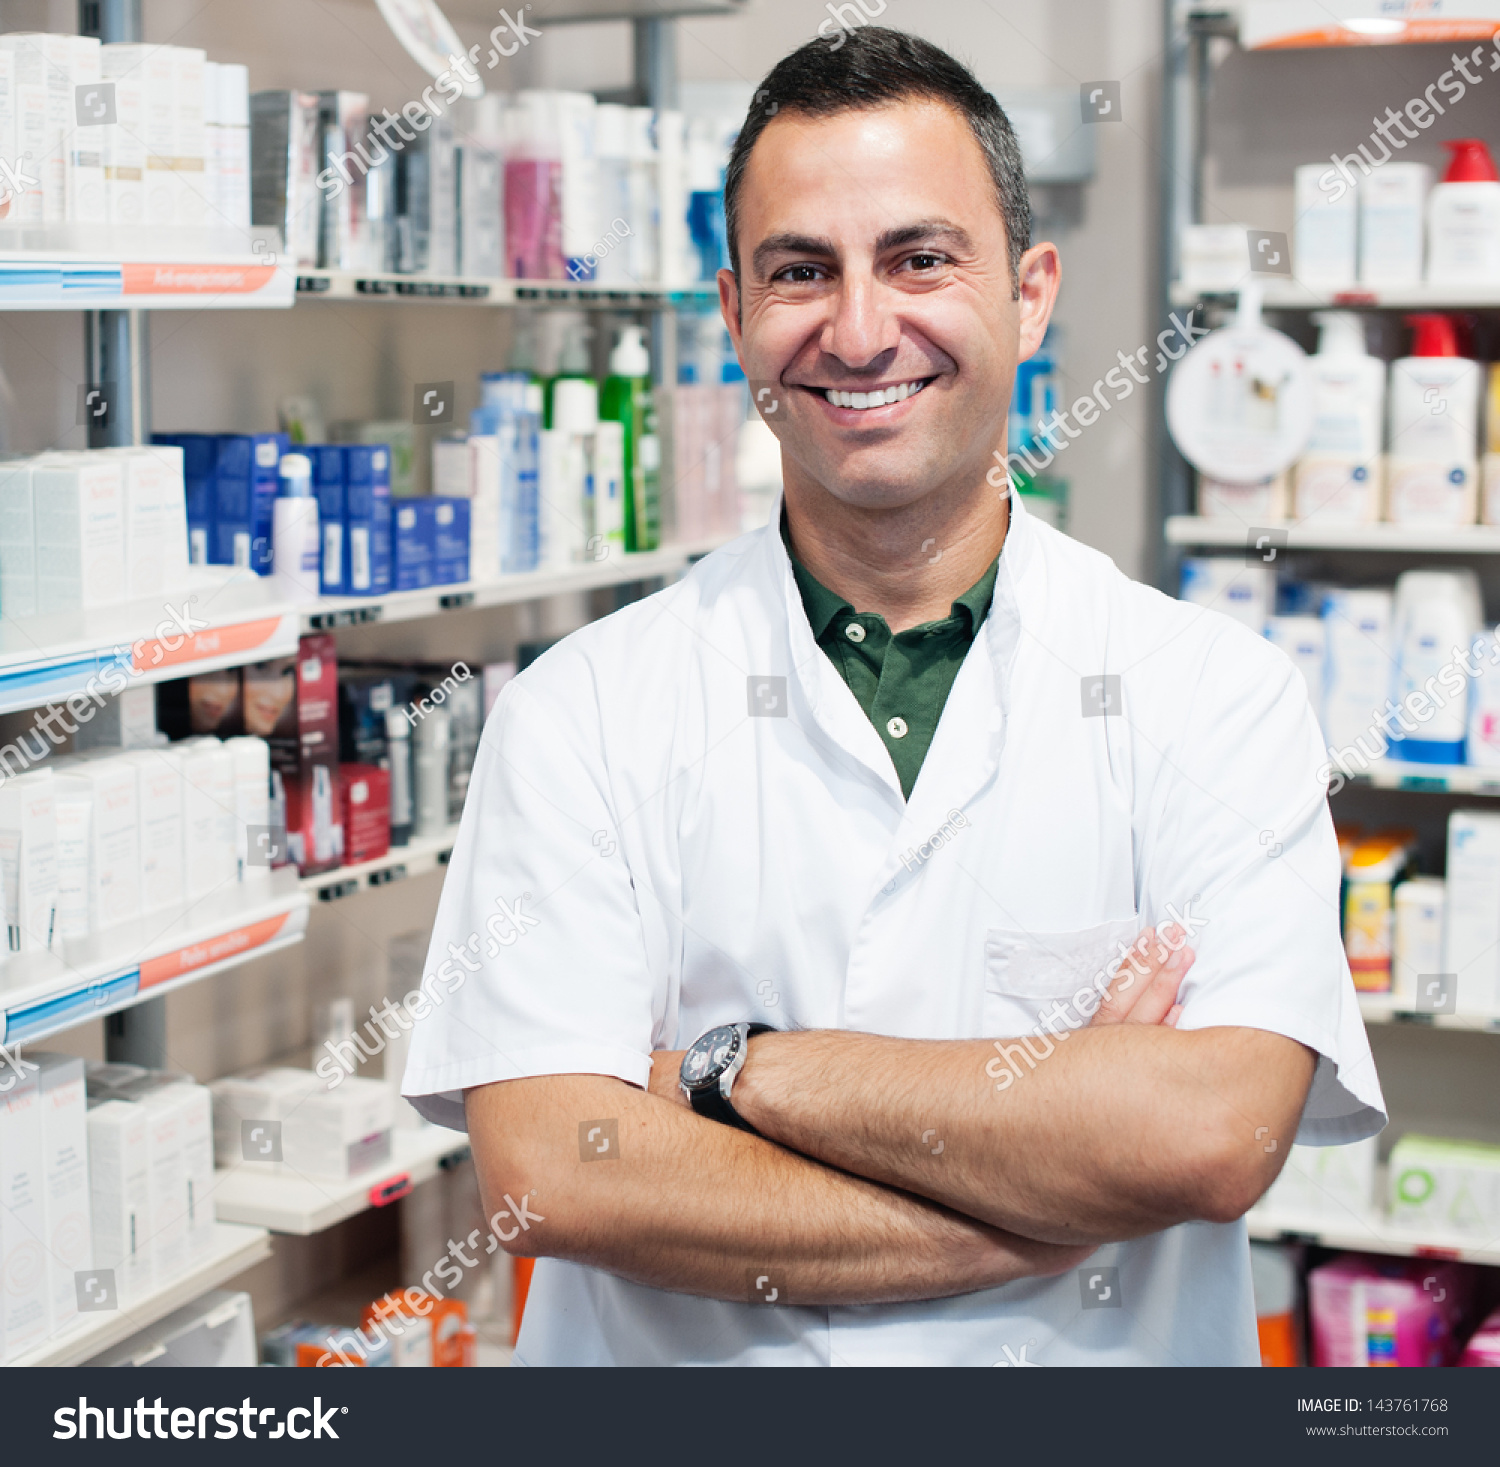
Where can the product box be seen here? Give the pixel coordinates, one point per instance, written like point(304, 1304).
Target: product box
point(480, 248)
point(161, 789)
point(74, 814)
point(208, 816)
point(67, 1230)
point(412, 537)
point(328, 486)
point(1392, 223)
point(190, 148)
point(1445, 1189)
point(367, 524)
point(155, 520)
point(1419, 906)
point(44, 63)
point(344, 121)
point(364, 700)
point(214, 703)
point(327, 1133)
point(1366, 1310)
point(245, 484)
point(119, 1194)
point(1360, 669)
point(450, 540)
point(1325, 1184)
point(149, 73)
point(451, 1341)
point(252, 805)
point(410, 1334)
point(113, 881)
point(1304, 640)
point(366, 791)
point(1471, 922)
point(79, 503)
point(200, 452)
point(84, 139)
point(24, 1281)
point(1226, 584)
point(17, 536)
point(187, 1107)
point(285, 160)
point(124, 141)
point(28, 859)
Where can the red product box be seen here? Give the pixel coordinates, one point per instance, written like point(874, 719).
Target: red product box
point(366, 791)
point(314, 828)
point(293, 704)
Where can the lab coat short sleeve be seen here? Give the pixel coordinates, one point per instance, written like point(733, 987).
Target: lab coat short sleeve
point(538, 900)
point(1242, 831)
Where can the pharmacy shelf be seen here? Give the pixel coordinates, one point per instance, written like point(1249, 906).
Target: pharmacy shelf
point(287, 1203)
point(167, 280)
point(1371, 1234)
point(1282, 293)
point(1451, 779)
point(418, 857)
point(1186, 529)
point(231, 616)
point(344, 285)
point(1384, 1008)
point(617, 568)
point(42, 993)
point(233, 1250)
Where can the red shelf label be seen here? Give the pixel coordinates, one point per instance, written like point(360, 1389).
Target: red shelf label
point(215, 950)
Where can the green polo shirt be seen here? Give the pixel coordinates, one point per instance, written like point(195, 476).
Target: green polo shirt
point(903, 680)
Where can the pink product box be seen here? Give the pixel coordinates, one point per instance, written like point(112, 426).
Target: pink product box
point(1484, 1347)
point(1389, 1311)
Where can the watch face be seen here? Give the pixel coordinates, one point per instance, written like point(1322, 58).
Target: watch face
point(710, 1055)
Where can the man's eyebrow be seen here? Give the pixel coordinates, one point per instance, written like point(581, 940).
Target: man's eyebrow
point(924, 231)
point(789, 244)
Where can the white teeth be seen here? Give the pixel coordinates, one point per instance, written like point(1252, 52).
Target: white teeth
point(881, 398)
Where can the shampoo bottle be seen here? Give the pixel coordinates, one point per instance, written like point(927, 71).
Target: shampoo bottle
point(626, 399)
point(295, 547)
point(1338, 475)
point(1463, 219)
point(1438, 614)
point(1434, 406)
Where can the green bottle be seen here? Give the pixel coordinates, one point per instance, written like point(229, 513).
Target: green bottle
point(626, 398)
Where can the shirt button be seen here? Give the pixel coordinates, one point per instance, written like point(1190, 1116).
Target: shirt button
point(896, 728)
point(854, 632)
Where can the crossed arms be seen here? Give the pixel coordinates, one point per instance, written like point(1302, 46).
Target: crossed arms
point(1128, 1127)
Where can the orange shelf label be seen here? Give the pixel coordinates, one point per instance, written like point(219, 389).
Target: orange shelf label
point(217, 642)
point(216, 949)
point(195, 279)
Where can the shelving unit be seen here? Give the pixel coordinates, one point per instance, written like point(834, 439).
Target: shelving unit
point(302, 1205)
point(1291, 295)
point(421, 855)
point(1366, 1235)
point(341, 285)
point(1187, 529)
point(234, 1249)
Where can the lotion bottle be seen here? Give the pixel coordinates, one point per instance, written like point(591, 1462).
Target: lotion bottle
point(1432, 469)
point(1339, 474)
point(1463, 219)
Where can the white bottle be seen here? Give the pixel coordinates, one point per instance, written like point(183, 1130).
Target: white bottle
point(1392, 211)
point(295, 540)
point(430, 772)
point(1438, 614)
point(612, 170)
point(571, 533)
point(1418, 944)
point(1357, 673)
point(1463, 219)
point(1339, 473)
point(1432, 468)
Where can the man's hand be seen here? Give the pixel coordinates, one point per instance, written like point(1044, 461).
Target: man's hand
point(1144, 990)
point(666, 1076)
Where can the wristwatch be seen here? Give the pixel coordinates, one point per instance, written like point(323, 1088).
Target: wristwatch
point(709, 1068)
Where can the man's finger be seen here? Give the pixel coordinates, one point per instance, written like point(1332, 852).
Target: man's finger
point(1136, 971)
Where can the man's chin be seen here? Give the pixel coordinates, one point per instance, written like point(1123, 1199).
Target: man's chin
point(879, 480)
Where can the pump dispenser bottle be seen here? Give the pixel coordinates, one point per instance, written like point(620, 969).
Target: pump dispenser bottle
point(626, 399)
point(1463, 219)
point(1338, 478)
point(1434, 406)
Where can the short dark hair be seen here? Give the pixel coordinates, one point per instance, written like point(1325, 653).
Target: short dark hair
point(876, 67)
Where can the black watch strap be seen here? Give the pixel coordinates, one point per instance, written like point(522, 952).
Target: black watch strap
point(710, 1103)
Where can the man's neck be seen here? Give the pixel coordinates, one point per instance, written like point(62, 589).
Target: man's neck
point(908, 565)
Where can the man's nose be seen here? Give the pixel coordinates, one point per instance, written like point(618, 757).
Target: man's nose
point(863, 325)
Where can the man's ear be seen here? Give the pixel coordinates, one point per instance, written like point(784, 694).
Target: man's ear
point(729, 309)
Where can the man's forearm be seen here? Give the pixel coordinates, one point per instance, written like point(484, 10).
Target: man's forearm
point(1119, 1132)
point(695, 1207)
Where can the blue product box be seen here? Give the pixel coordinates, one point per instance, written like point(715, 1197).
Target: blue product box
point(367, 517)
point(412, 544)
point(328, 486)
point(200, 453)
point(245, 484)
point(450, 543)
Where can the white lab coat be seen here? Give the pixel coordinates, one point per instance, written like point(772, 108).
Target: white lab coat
point(693, 841)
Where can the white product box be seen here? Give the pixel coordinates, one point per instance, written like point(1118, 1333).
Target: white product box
point(126, 720)
point(166, 461)
point(114, 876)
point(153, 68)
point(336, 1134)
point(17, 537)
point(74, 809)
point(1360, 669)
point(166, 1181)
point(1445, 1188)
point(1334, 489)
point(252, 802)
point(86, 202)
point(1334, 1184)
point(147, 486)
point(161, 792)
point(125, 150)
point(23, 1228)
point(1327, 228)
point(65, 1180)
point(1393, 224)
point(1225, 583)
point(1247, 504)
point(485, 539)
point(1417, 948)
point(1304, 640)
point(28, 859)
point(208, 816)
point(215, 1330)
point(1471, 923)
point(119, 1194)
point(196, 1117)
point(229, 146)
point(44, 70)
point(190, 152)
point(80, 530)
point(8, 128)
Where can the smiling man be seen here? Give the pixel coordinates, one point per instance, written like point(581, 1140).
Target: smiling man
point(821, 1050)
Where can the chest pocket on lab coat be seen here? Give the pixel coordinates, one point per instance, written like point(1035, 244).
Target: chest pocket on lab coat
point(1026, 973)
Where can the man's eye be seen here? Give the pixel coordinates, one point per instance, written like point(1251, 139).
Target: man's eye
point(926, 262)
point(800, 274)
